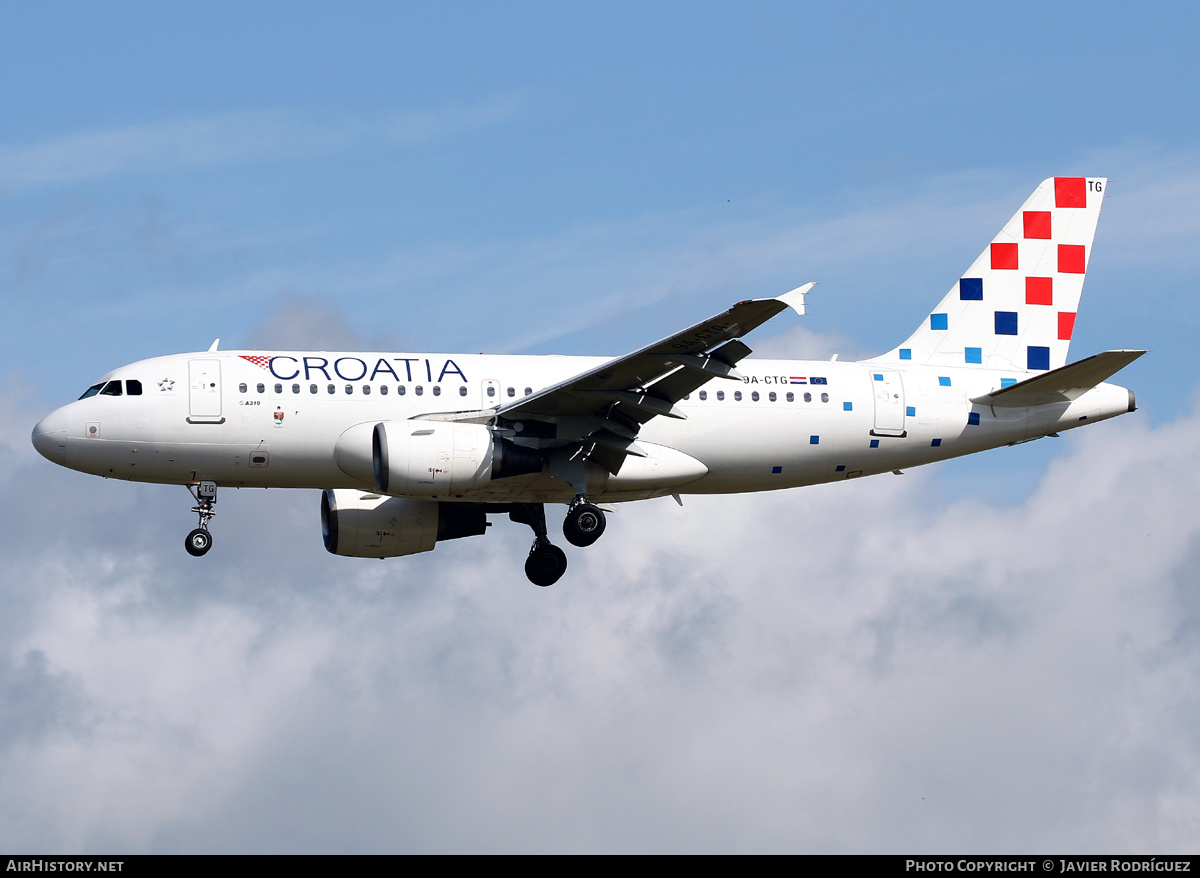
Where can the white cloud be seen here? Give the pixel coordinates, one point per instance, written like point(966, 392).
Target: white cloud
point(166, 146)
point(295, 322)
point(414, 127)
point(846, 667)
point(249, 136)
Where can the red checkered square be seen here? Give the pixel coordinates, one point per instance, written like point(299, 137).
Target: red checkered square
point(1037, 223)
point(1004, 256)
point(1071, 259)
point(1066, 325)
point(1039, 291)
point(1070, 192)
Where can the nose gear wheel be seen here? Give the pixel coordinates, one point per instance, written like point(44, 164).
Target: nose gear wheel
point(198, 542)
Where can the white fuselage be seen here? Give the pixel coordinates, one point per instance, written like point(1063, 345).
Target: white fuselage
point(274, 419)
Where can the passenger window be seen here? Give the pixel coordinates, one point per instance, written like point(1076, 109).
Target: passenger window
point(824, 397)
point(112, 388)
point(808, 397)
point(703, 395)
point(366, 390)
point(491, 391)
point(331, 389)
point(349, 388)
point(462, 391)
point(312, 388)
point(133, 387)
point(754, 396)
point(279, 388)
point(262, 388)
point(92, 391)
point(383, 390)
point(295, 388)
point(419, 389)
point(791, 397)
point(771, 396)
point(720, 394)
point(437, 390)
point(512, 391)
point(687, 396)
point(400, 389)
point(528, 390)
point(737, 395)
point(242, 388)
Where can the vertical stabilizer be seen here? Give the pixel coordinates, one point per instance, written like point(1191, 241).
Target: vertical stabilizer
point(1015, 307)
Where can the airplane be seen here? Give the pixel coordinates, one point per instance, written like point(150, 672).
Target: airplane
point(411, 449)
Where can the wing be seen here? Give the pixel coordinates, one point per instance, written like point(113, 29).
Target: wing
point(601, 411)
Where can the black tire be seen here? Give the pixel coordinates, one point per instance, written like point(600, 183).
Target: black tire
point(198, 542)
point(583, 525)
point(545, 565)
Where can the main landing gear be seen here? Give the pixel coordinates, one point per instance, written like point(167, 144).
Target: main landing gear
point(547, 562)
point(199, 541)
point(584, 523)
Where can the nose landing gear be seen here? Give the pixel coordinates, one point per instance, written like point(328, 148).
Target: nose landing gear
point(199, 541)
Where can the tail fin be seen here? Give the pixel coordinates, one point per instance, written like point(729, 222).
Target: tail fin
point(1015, 307)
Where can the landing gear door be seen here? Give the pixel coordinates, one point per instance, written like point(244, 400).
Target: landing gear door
point(889, 403)
point(204, 392)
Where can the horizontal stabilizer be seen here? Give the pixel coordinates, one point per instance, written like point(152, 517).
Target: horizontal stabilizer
point(1064, 384)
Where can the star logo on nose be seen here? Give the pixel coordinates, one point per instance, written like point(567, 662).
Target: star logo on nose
point(166, 384)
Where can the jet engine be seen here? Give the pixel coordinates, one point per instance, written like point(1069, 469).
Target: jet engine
point(370, 526)
point(421, 458)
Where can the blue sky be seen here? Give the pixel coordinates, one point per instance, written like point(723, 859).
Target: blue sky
point(563, 178)
point(415, 165)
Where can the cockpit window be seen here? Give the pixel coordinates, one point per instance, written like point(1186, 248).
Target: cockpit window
point(92, 391)
point(112, 388)
point(133, 387)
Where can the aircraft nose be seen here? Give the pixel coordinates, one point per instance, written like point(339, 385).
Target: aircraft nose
point(50, 436)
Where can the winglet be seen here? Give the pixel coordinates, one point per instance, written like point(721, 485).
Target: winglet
point(795, 298)
point(213, 346)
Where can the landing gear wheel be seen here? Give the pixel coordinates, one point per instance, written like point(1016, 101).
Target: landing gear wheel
point(583, 525)
point(198, 542)
point(546, 564)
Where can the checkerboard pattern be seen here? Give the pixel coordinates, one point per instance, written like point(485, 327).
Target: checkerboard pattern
point(1015, 307)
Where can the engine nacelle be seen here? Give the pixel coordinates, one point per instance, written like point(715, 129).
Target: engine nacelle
point(370, 526)
point(431, 458)
point(420, 458)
